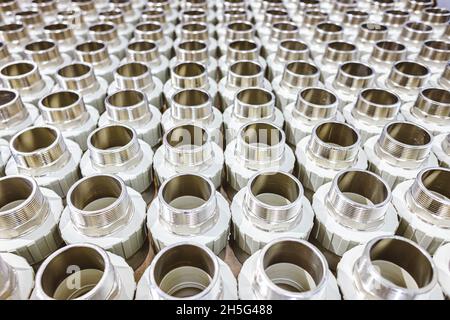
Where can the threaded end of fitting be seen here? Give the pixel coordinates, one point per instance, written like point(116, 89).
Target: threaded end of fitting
point(194, 32)
point(77, 76)
point(14, 33)
point(143, 51)
point(435, 51)
point(376, 105)
point(133, 75)
point(127, 105)
point(103, 32)
point(12, 109)
point(63, 108)
point(239, 30)
point(354, 18)
point(311, 18)
point(284, 30)
point(416, 32)
point(316, 104)
point(149, 31)
point(43, 52)
point(435, 16)
point(433, 104)
point(327, 32)
point(23, 76)
point(388, 51)
point(194, 51)
point(395, 18)
point(59, 32)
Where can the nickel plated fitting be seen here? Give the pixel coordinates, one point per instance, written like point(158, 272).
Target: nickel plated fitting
point(280, 31)
point(310, 19)
point(107, 32)
point(80, 77)
point(168, 6)
point(199, 213)
point(436, 17)
point(414, 34)
point(441, 149)
point(117, 17)
point(340, 7)
point(388, 268)
point(423, 205)
point(116, 149)
point(236, 30)
point(351, 210)
point(195, 31)
point(287, 51)
point(198, 15)
point(137, 76)
point(435, 54)
point(251, 104)
point(368, 34)
point(287, 268)
point(441, 80)
point(384, 55)
point(15, 115)
point(313, 105)
point(269, 17)
point(88, 10)
point(194, 106)
point(194, 51)
point(48, 9)
point(187, 270)
point(74, 17)
point(6, 56)
point(131, 108)
point(66, 110)
point(230, 16)
point(189, 75)
point(187, 148)
point(131, 12)
point(303, 6)
point(84, 272)
point(32, 20)
point(324, 33)
point(43, 153)
point(259, 145)
point(271, 206)
point(4, 155)
point(332, 146)
point(297, 75)
point(153, 31)
point(352, 21)
point(441, 259)
point(395, 19)
point(16, 277)
point(147, 52)
point(416, 7)
point(335, 54)
point(373, 109)
point(400, 151)
point(241, 50)
point(25, 77)
point(96, 54)
point(103, 211)
point(29, 218)
point(159, 15)
point(8, 8)
point(350, 79)
point(63, 36)
point(47, 57)
point(431, 110)
point(241, 74)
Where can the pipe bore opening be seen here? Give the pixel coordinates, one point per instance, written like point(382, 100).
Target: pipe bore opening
point(14, 191)
point(390, 46)
point(436, 95)
point(74, 70)
point(275, 189)
point(40, 46)
point(329, 27)
point(148, 27)
point(401, 263)
point(58, 280)
point(418, 26)
point(341, 46)
point(254, 96)
point(111, 137)
point(189, 69)
point(437, 45)
point(191, 97)
point(379, 97)
point(7, 96)
point(184, 271)
point(11, 27)
point(242, 45)
point(34, 139)
point(187, 137)
point(262, 134)
point(126, 98)
point(411, 69)
point(192, 46)
point(102, 27)
point(142, 46)
point(302, 68)
point(436, 182)
point(56, 27)
point(194, 27)
point(91, 46)
point(356, 69)
point(337, 134)
point(18, 69)
point(176, 195)
point(240, 26)
point(293, 266)
point(285, 26)
point(318, 96)
point(60, 99)
point(293, 45)
point(408, 134)
point(245, 68)
point(132, 69)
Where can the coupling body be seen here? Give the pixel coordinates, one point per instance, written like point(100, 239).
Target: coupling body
point(194, 31)
point(384, 54)
point(442, 260)
point(280, 31)
point(325, 32)
point(63, 36)
point(107, 32)
point(15, 36)
point(441, 149)
point(241, 50)
point(153, 31)
point(241, 29)
point(435, 54)
point(4, 155)
point(335, 54)
point(16, 277)
point(75, 18)
point(117, 17)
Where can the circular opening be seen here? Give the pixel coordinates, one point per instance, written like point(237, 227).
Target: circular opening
point(186, 137)
point(254, 96)
point(39, 46)
point(148, 27)
point(142, 46)
point(399, 13)
point(192, 45)
point(74, 70)
point(408, 133)
point(17, 69)
point(357, 13)
point(101, 27)
point(276, 13)
point(193, 13)
point(261, 134)
point(34, 139)
point(191, 97)
point(132, 69)
point(318, 96)
point(437, 45)
point(95, 193)
point(126, 98)
point(83, 266)
point(275, 189)
point(437, 95)
point(90, 46)
point(60, 99)
point(194, 27)
point(341, 46)
point(374, 27)
point(111, 137)
point(363, 187)
point(176, 195)
point(329, 27)
point(293, 266)
point(436, 182)
point(184, 271)
point(418, 26)
point(390, 46)
point(302, 68)
point(189, 69)
point(294, 45)
point(240, 26)
point(356, 69)
point(56, 27)
point(379, 97)
point(11, 27)
point(242, 45)
point(245, 68)
point(285, 26)
point(14, 191)
point(337, 134)
point(7, 96)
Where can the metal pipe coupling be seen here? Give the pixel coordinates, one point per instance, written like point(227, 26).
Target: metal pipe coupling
point(188, 148)
point(352, 21)
point(441, 149)
point(88, 9)
point(325, 32)
point(437, 17)
point(147, 52)
point(131, 9)
point(280, 31)
point(287, 269)
point(43, 153)
point(103, 211)
point(414, 34)
point(241, 50)
point(384, 55)
point(160, 16)
point(107, 33)
point(297, 75)
point(16, 277)
point(195, 31)
point(116, 16)
point(229, 16)
point(395, 19)
point(80, 77)
point(400, 152)
point(189, 75)
point(6, 56)
point(197, 15)
point(15, 115)
point(373, 109)
point(29, 217)
point(368, 35)
point(351, 210)
point(259, 145)
point(187, 270)
point(267, 18)
point(335, 54)
point(137, 76)
point(63, 36)
point(199, 213)
point(153, 31)
point(250, 104)
point(15, 36)
point(75, 18)
point(312, 106)
point(48, 8)
point(310, 19)
point(236, 30)
point(169, 7)
point(441, 259)
point(272, 205)
point(84, 272)
point(301, 7)
point(33, 21)
point(423, 205)
point(25, 77)
point(435, 54)
point(388, 268)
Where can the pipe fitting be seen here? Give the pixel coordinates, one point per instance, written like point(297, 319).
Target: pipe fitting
point(236, 30)
point(241, 50)
point(15, 35)
point(153, 31)
point(159, 15)
point(63, 36)
point(351, 210)
point(29, 218)
point(400, 151)
point(352, 21)
point(187, 270)
point(88, 9)
point(199, 213)
point(258, 145)
point(80, 77)
point(5, 55)
point(280, 31)
point(413, 34)
point(269, 17)
point(43, 153)
point(303, 274)
point(137, 76)
point(16, 277)
point(336, 53)
point(107, 32)
point(384, 55)
point(75, 18)
point(48, 8)
point(324, 33)
point(310, 19)
point(130, 11)
point(383, 269)
point(116, 16)
point(84, 272)
point(441, 149)
point(32, 20)
point(436, 17)
point(188, 148)
point(441, 259)
point(435, 54)
point(103, 211)
point(395, 19)
point(230, 16)
point(169, 9)
point(370, 33)
point(66, 111)
point(287, 51)
point(15, 115)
